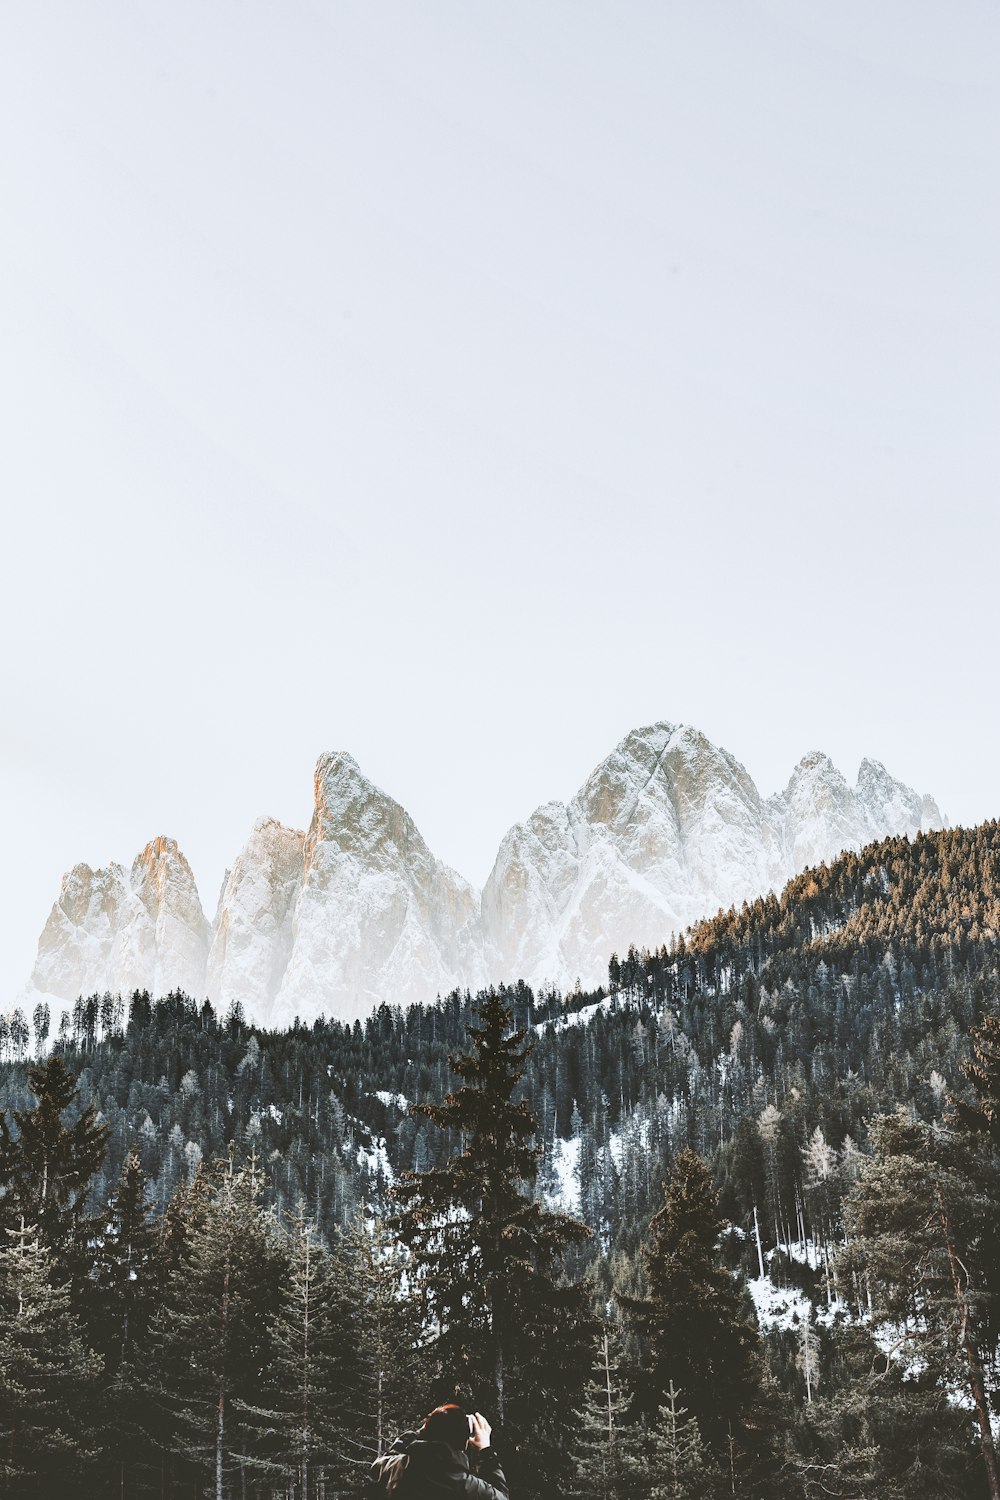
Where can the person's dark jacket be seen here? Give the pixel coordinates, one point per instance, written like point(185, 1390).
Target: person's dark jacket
point(417, 1469)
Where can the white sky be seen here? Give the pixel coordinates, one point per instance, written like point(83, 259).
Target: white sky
point(463, 384)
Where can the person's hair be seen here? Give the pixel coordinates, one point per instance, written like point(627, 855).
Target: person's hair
point(447, 1424)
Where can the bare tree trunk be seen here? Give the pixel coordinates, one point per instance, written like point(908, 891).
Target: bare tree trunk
point(977, 1385)
point(607, 1385)
point(220, 1428)
point(498, 1376)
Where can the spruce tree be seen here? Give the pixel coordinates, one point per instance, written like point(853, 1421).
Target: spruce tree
point(312, 1382)
point(392, 1384)
point(489, 1257)
point(129, 1285)
point(668, 1460)
point(47, 1377)
point(212, 1337)
point(600, 1470)
point(693, 1333)
point(917, 1216)
point(126, 1269)
point(980, 1117)
point(47, 1166)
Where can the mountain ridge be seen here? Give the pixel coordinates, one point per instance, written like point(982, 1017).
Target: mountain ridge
point(668, 828)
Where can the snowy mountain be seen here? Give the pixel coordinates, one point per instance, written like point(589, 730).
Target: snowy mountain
point(254, 929)
point(667, 829)
point(122, 930)
point(376, 916)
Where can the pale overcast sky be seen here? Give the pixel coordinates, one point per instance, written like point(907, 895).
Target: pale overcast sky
point(463, 384)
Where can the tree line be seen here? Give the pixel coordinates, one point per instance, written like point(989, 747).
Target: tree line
point(750, 1073)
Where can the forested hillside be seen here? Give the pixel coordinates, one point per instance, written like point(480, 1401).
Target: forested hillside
point(850, 993)
point(764, 1043)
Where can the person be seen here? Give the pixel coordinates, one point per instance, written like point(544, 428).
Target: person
point(434, 1463)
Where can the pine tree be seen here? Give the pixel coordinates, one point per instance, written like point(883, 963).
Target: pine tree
point(599, 1448)
point(982, 1070)
point(47, 1167)
point(212, 1336)
point(882, 1432)
point(980, 1117)
point(668, 1460)
point(313, 1378)
point(917, 1215)
point(47, 1376)
point(126, 1270)
point(489, 1256)
point(392, 1377)
point(693, 1333)
point(129, 1284)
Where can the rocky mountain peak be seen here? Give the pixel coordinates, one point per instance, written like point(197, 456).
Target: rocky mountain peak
point(358, 817)
point(108, 929)
point(665, 830)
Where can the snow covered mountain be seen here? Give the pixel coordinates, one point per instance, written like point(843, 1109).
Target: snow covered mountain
point(667, 829)
point(122, 930)
point(376, 916)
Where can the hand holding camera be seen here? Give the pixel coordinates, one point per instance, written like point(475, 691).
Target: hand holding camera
point(479, 1431)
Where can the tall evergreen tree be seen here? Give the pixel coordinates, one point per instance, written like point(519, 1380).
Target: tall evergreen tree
point(129, 1285)
point(47, 1377)
point(693, 1333)
point(127, 1269)
point(669, 1459)
point(980, 1117)
point(48, 1163)
point(312, 1382)
point(510, 1328)
point(392, 1385)
point(917, 1214)
point(212, 1337)
point(982, 1069)
point(600, 1449)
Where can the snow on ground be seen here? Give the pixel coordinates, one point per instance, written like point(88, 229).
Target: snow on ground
point(565, 1162)
point(574, 1017)
point(807, 1252)
point(399, 1101)
point(787, 1308)
point(374, 1158)
point(778, 1307)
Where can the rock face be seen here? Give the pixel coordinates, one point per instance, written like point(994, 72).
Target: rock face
point(376, 916)
point(124, 930)
point(667, 829)
point(253, 925)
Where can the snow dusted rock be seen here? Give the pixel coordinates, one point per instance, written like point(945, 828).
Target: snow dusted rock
point(890, 807)
point(667, 829)
point(662, 831)
point(118, 931)
point(76, 950)
point(254, 931)
point(815, 817)
point(377, 916)
point(818, 815)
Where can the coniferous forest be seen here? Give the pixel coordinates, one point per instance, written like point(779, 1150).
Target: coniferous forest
point(729, 1226)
